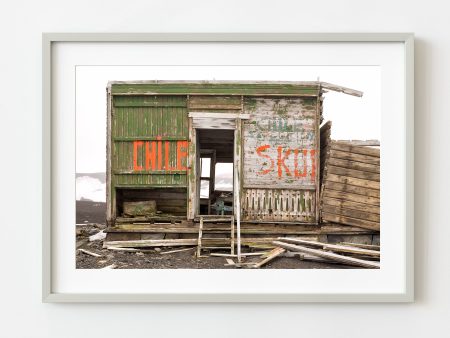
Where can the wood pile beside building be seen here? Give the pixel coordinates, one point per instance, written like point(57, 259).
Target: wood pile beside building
point(350, 176)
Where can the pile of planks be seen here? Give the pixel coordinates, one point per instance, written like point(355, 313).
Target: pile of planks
point(365, 256)
point(350, 176)
point(350, 254)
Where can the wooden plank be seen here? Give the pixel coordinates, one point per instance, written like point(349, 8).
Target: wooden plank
point(351, 189)
point(152, 243)
point(351, 213)
point(232, 235)
point(363, 246)
point(307, 257)
point(365, 143)
point(374, 209)
point(373, 168)
point(351, 197)
point(219, 116)
point(353, 173)
point(174, 251)
point(354, 157)
point(216, 88)
point(247, 254)
point(214, 102)
point(213, 123)
point(329, 255)
point(113, 248)
point(157, 218)
point(340, 229)
point(333, 247)
point(341, 89)
point(199, 242)
point(192, 165)
point(351, 221)
point(237, 183)
point(353, 181)
point(93, 254)
point(368, 151)
point(272, 255)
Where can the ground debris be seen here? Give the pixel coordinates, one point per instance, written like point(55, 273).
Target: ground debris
point(339, 253)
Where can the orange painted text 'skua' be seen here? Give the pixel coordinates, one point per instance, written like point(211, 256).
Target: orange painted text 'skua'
point(282, 156)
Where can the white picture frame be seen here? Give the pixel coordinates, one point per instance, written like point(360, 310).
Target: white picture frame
point(52, 212)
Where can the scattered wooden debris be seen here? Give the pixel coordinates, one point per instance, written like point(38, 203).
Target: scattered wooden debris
point(93, 254)
point(329, 255)
point(109, 267)
point(151, 243)
point(81, 242)
point(174, 251)
point(273, 254)
point(333, 247)
point(128, 249)
point(244, 254)
point(307, 257)
point(99, 236)
point(206, 243)
point(230, 262)
point(363, 246)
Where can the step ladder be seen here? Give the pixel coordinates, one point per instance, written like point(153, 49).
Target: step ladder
point(215, 219)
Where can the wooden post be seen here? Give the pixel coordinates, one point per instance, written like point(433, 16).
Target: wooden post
point(232, 234)
point(192, 173)
point(237, 190)
point(199, 244)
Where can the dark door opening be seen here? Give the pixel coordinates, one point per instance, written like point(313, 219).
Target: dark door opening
point(215, 171)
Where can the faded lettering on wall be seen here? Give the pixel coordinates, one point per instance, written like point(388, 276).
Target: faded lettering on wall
point(153, 158)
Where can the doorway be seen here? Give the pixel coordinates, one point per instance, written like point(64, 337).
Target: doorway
point(215, 158)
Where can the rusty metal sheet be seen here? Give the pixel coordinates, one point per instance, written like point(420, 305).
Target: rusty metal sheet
point(279, 143)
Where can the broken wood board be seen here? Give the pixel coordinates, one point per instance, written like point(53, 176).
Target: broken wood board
point(206, 242)
point(93, 254)
point(112, 248)
point(329, 255)
point(109, 267)
point(242, 254)
point(333, 247)
point(272, 255)
point(246, 229)
point(306, 257)
point(174, 251)
point(364, 246)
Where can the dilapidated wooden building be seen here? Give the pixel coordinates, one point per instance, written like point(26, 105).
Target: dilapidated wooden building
point(168, 140)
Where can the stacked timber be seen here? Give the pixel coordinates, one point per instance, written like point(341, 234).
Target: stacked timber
point(350, 176)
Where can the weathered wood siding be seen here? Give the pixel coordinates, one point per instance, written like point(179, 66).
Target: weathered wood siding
point(350, 191)
point(278, 205)
point(279, 159)
point(149, 141)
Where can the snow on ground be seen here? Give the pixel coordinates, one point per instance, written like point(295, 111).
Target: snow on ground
point(90, 188)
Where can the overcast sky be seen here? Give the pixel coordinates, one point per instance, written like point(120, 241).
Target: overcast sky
point(353, 117)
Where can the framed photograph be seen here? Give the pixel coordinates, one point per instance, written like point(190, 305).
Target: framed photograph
point(228, 167)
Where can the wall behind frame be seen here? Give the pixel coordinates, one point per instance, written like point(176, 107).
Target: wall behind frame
point(23, 313)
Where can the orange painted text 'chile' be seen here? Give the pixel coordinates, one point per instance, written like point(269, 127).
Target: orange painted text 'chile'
point(153, 158)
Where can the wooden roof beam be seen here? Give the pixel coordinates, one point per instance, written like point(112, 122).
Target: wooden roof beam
point(341, 89)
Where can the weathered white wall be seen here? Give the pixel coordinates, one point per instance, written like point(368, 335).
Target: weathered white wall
point(23, 315)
